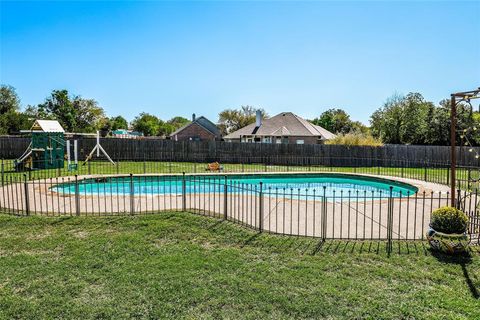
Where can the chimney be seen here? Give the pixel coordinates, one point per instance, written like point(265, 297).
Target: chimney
point(193, 117)
point(259, 119)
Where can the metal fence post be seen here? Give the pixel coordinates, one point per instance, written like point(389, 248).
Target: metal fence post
point(390, 222)
point(77, 197)
point(132, 196)
point(3, 173)
point(324, 215)
point(27, 200)
point(117, 165)
point(425, 171)
point(260, 224)
point(144, 167)
point(184, 193)
point(89, 167)
point(469, 178)
point(169, 166)
point(459, 200)
point(448, 175)
point(225, 199)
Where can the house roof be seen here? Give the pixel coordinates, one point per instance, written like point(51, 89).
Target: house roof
point(202, 122)
point(283, 124)
point(47, 126)
point(120, 131)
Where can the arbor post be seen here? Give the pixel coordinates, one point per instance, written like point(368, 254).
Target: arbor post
point(453, 154)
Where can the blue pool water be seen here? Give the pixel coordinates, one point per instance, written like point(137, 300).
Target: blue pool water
point(292, 186)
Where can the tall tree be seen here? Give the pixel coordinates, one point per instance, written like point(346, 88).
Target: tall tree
point(14, 121)
point(387, 121)
point(118, 122)
point(147, 123)
point(411, 119)
point(168, 127)
point(337, 121)
point(231, 120)
point(358, 127)
point(74, 113)
point(415, 119)
point(439, 125)
point(89, 117)
point(178, 122)
point(59, 105)
point(9, 100)
point(165, 129)
point(11, 119)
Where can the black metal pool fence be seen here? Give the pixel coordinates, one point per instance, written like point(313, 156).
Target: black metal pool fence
point(310, 212)
point(430, 171)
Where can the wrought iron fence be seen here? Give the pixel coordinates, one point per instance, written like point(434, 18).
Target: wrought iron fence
point(436, 172)
point(311, 212)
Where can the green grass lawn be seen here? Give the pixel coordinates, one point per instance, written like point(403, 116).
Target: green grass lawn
point(175, 265)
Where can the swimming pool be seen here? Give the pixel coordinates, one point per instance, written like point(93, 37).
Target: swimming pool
point(289, 185)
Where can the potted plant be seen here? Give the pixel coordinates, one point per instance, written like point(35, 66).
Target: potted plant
point(447, 231)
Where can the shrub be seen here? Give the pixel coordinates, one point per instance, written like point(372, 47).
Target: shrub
point(355, 139)
point(449, 220)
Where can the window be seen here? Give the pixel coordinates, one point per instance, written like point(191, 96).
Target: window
point(300, 141)
point(279, 140)
point(266, 140)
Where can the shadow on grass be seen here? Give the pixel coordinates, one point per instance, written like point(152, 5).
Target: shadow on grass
point(216, 224)
point(60, 220)
point(463, 261)
point(314, 246)
point(250, 239)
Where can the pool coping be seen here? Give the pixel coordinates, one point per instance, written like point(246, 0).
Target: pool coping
point(422, 186)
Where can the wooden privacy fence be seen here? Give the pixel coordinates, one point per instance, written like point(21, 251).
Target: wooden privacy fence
point(292, 154)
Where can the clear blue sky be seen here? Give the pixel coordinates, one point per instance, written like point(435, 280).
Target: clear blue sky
point(176, 58)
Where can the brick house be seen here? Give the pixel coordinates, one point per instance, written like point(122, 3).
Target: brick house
point(285, 127)
point(200, 129)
